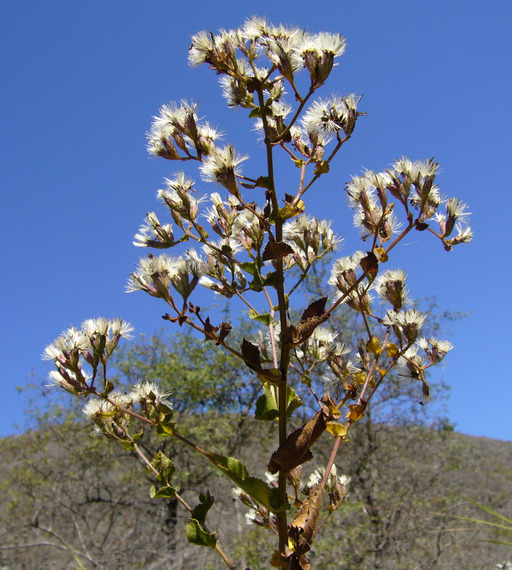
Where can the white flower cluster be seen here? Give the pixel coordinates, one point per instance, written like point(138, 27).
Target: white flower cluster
point(178, 128)
point(288, 49)
point(412, 184)
point(310, 239)
point(93, 343)
point(321, 345)
point(344, 277)
point(155, 275)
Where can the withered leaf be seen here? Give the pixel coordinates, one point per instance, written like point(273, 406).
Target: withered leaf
point(316, 309)
point(311, 318)
point(225, 329)
point(303, 526)
point(251, 354)
point(295, 449)
point(168, 317)
point(182, 319)
point(209, 330)
point(421, 226)
point(370, 264)
point(307, 327)
point(356, 411)
point(276, 250)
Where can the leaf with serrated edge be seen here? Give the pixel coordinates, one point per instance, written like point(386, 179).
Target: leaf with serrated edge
point(256, 488)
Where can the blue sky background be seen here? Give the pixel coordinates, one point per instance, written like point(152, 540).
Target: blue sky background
point(81, 81)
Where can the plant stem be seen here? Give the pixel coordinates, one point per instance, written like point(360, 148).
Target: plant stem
point(285, 351)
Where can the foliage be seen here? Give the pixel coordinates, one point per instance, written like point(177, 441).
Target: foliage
point(268, 246)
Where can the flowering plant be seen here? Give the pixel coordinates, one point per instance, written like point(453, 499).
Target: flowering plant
point(260, 250)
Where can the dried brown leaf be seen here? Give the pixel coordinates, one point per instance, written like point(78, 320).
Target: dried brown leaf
point(295, 449)
point(302, 528)
point(225, 329)
point(370, 264)
point(356, 411)
point(251, 354)
point(276, 250)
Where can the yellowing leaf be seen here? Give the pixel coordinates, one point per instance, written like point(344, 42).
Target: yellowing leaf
point(373, 346)
point(392, 349)
point(356, 411)
point(360, 377)
point(381, 252)
point(336, 429)
point(289, 210)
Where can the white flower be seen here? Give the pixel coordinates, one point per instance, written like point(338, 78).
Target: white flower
point(175, 127)
point(149, 391)
point(255, 28)
point(218, 50)
point(95, 327)
point(331, 115)
point(343, 272)
point(250, 517)
point(405, 324)
point(390, 286)
point(411, 365)
point(222, 166)
point(154, 234)
point(457, 209)
point(153, 275)
point(311, 235)
point(71, 341)
point(97, 407)
point(436, 349)
point(322, 344)
point(75, 383)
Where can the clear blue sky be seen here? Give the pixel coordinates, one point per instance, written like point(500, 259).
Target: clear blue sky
point(81, 80)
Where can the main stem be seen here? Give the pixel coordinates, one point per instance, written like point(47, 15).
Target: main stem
point(282, 524)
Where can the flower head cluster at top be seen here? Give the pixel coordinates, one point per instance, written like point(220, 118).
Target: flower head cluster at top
point(255, 63)
point(240, 240)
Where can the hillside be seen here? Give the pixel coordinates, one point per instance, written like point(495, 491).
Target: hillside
point(70, 500)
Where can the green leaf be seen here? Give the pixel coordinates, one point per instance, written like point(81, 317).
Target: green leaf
point(257, 283)
point(164, 466)
point(197, 534)
point(267, 407)
point(256, 488)
point(205, 503)
point(262, 318)
point(255, 113)
point(167, 492)
point(249, 266)
point(165, 430)
point(271, 280)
